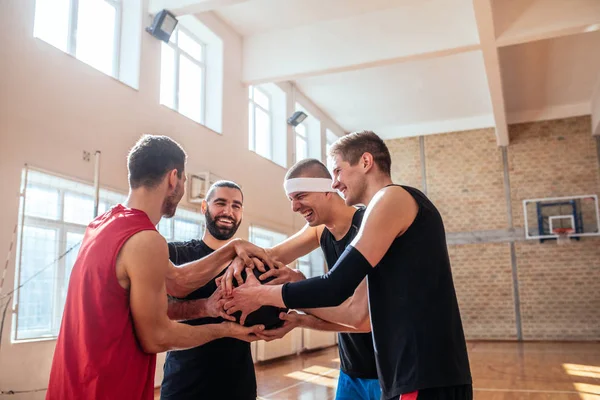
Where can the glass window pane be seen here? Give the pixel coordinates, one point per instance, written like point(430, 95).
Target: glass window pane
point(37, 295)
point(52, 22)
point(301, 130)
point(185, 230)
point(191, 46)
point(250, 92)
point(301, 148)
point(96, 34)
point(42, 202)
point(167, 76)
point(78, 209)
point(262, 99)
point(72, 247)
point(251, 133)
point(190, 89)
point(263, 133)
point(164, 228)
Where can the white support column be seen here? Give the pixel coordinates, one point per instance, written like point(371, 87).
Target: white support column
point(487, 38)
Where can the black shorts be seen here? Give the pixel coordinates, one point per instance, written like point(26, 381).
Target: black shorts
point(463, 392)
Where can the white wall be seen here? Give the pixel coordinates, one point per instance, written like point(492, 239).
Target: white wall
point(52, 107)
point(595, 106)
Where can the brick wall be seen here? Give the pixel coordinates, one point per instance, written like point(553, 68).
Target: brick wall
point(406, 165)
point(559, 286)
point(483, 281)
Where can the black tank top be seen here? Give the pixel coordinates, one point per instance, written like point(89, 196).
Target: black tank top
point(357, 357)
point(205, 372)
point(417, 329)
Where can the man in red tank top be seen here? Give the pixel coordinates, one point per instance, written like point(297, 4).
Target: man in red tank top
point(115, 318)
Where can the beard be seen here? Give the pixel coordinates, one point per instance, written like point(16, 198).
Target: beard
point(220, 233)
point(170, 203)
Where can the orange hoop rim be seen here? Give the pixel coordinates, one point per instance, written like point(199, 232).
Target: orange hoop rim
point(562, 231)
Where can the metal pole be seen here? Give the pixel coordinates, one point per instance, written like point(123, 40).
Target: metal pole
point(513, 252)
point(96, 183)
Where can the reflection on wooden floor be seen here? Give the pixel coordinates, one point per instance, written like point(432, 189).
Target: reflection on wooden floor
point(501, 371)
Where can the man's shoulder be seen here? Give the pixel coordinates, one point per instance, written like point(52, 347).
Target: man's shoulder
point(187, 251)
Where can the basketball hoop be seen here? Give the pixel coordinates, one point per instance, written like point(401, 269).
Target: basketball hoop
point(562, 235)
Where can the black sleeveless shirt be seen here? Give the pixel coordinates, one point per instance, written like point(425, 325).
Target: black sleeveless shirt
point(205, 372)
point(417, 329)
point(357, 357)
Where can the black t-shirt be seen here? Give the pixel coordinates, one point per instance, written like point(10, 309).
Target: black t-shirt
point(357, 357)
point(415, 317)
point(221, 369)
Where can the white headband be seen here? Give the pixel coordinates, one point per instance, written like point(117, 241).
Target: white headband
point(307, 185)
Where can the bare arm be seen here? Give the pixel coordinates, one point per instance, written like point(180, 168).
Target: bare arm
point(298, 245)
point(389, 215)
point(182, 280)
point(294, 319)
point(352, 314)
point(144, 260)
point(183, 310)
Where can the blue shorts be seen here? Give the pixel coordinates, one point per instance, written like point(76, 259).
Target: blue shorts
point(349, 388)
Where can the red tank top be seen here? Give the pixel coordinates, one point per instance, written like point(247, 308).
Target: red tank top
point(97, 354)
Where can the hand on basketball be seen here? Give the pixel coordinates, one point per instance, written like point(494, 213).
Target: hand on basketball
point(247, 334)
point(234, 270)
point(291, 321)
point(246, 250)
point(245, 298)
point(214, 305)
point(282, 274)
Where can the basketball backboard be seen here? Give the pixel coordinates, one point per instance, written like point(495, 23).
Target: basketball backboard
point(550, 217)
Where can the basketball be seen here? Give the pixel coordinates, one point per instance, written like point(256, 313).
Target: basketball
point(266, 315)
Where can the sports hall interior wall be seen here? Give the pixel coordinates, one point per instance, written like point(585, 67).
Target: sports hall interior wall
point(53, 107)
point(558, 286)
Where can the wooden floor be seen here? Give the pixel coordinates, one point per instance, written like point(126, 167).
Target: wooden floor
point(501, 371)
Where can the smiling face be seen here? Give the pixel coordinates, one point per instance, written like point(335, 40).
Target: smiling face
point(223, 211)
point(313, 206)
point(349, 180)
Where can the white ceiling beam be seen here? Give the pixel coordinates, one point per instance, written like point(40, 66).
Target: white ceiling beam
point(435, 127)
point(549, 113)
point(187, 7)
point(487, 38)
point(378, 38)
point(546, 19)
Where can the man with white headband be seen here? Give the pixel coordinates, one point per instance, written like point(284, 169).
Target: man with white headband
point(401, 248)
point(332, 225)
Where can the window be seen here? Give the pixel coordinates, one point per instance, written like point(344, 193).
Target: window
point(265, 238)
point(55, 214)
point(301, 142)
point(330, 138)
point(86, 29)
point(312, 264)
point(259, 125)
point(185, 225)
point(183, 75)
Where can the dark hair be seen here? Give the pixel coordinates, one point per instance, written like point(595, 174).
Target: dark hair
point(308, 167)
point(219, 184)
point(352, 146)
point(151, 158)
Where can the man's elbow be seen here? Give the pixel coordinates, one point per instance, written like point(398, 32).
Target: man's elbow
point(154, 342)
point(173, 284)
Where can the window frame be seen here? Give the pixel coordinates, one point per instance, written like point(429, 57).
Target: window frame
point(178, 53)
point(304, 138)
point(62, 228)
point(269, 112)
point(71, 38)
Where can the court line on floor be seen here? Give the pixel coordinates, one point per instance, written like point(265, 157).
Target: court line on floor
point(324, 374)
point(266, 397)
point(531, 391)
